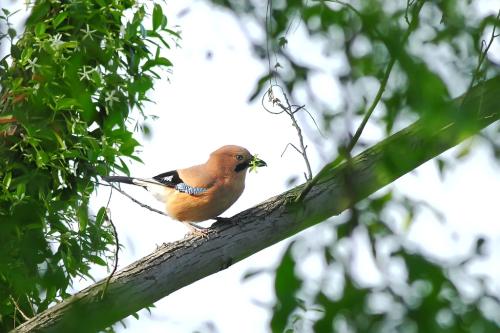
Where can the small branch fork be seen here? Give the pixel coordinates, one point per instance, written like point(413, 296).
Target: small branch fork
point(290, 110)
point(18, 309)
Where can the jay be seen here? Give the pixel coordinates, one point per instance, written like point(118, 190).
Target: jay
point(200, 192)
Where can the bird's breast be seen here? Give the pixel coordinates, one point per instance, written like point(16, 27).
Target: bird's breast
point(208, 205)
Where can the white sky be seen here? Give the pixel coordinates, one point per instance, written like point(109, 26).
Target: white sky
point(204, 106)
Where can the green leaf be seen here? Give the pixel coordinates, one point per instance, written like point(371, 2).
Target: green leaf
point(59, 18)
point(83, 217)
point(38, 12)
point(97, 260)
point(66, 103)
point(60, 140)
point(163, 62)
point(40, 28)
point(12, 33)
point(20, 190)
point(286, 285)
point(41, 158)
point(15, 51)
point(7, 179)
point(99, 219)
point(157, 16)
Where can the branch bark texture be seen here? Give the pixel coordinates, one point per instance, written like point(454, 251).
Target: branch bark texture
point(179, 264)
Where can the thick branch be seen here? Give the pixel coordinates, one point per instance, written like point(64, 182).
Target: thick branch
point(179, 264)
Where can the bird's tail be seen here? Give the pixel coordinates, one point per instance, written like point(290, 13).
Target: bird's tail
point(144, 182)
point(152, 185)
point(119, 179)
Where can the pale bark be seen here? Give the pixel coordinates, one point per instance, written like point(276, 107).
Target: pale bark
point(179, 264)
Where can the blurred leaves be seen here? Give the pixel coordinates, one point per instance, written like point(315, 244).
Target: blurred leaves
point(66, 91)
point(286, 285)
point(439, 51)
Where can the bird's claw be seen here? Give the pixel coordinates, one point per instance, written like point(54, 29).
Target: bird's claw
point(198, 231)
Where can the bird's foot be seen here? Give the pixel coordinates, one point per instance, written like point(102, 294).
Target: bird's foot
point(197, 230)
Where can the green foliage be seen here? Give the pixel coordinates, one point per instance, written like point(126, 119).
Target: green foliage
point(286, 285)
point(429, 51)
point(67, 86)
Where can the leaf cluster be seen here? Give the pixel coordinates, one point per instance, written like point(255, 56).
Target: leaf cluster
point(67, 87)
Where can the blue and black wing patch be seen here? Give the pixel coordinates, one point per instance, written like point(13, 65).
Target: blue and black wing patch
point(185, 188)
point(172, 179)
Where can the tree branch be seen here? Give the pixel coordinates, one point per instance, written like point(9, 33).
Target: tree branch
point(179, 264)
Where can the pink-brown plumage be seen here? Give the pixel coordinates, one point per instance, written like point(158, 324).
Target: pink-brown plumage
point(215, 185)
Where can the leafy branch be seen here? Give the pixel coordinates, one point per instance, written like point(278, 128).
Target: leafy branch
point(67, 89)
point(346, 152)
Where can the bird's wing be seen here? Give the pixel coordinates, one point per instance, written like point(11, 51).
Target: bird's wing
point(173, 180)
point(169, 178)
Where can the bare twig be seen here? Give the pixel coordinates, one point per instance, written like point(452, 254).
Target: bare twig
point(417, 7)
point(193, 224)
point(115, 266)
point(135, 200)
point(18, 308)
point(269, 12)
point(115, 233)
point(294, 147)
point(290, 110)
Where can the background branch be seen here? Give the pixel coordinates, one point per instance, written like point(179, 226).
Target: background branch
point(135, 200)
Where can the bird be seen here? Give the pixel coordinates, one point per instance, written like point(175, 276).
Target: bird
point(200, 192)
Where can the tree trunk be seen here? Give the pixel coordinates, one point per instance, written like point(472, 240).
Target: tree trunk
point(179, 264)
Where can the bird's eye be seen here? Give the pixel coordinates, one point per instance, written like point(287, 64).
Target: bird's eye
point(239, 157)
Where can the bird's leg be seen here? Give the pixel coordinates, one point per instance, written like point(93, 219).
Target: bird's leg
point(197, 230)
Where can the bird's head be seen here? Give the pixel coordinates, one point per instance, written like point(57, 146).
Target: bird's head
point(236, 158)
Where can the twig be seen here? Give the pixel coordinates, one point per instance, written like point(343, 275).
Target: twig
point(383, 83)
point(374, 104)
point(302, 146)
point(290, 110)
point(115, 233)
point(288, 145)
point(18, 308)
point(482, 56)
point(135, 200)
point(269, 12)
point(308, 186)
point(193, 224)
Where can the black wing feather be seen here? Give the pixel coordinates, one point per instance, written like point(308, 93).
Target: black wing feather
point(170, 178)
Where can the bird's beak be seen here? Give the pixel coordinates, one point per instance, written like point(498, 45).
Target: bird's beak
point(257, 162)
